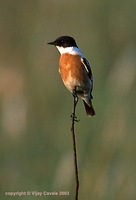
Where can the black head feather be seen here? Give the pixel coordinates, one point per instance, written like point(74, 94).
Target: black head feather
point(64, 41)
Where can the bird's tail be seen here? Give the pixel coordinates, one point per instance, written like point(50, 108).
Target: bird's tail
point(89, 109)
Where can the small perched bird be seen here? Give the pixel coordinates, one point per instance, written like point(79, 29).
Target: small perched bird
point(75, 71)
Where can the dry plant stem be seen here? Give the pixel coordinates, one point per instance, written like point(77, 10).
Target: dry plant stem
point(73, 120)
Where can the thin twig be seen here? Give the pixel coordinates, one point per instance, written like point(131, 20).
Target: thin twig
point(73, 120)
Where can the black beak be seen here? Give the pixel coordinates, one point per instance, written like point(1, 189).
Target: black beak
point(51, 43)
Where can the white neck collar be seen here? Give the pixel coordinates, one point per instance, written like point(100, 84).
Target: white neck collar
point(70, 50)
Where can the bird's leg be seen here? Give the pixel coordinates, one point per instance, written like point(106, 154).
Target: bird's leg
point(75, 103)
point(75, 95)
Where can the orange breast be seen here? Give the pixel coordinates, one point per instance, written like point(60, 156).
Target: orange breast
point(73, 72)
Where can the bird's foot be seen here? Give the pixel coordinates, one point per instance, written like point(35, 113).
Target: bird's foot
point(73, 117)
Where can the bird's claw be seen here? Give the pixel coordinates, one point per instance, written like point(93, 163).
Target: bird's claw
point(73, 117)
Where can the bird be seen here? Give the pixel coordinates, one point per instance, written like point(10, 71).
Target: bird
point(75, 71)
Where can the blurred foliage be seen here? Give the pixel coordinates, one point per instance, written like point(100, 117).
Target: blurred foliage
point(35, 107)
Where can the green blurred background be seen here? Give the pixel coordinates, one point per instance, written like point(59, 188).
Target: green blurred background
point(35, 139)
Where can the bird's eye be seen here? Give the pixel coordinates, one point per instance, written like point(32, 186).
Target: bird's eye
point(62, 41)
